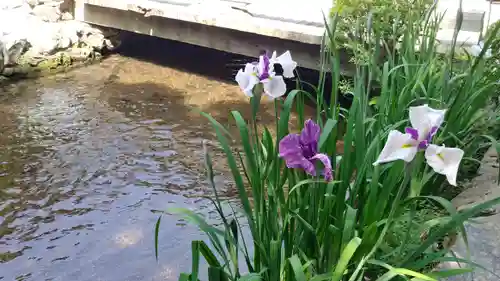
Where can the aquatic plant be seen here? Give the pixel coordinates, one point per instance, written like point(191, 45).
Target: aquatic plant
point(316, 213)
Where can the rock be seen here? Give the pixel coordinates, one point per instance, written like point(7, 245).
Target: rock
point(33, 3)
point(14, 20)
point(3, 55)
point(63, 43)
point(30, 58)
point(72, 30)
point(46, 40)
point(9, 55)
point(79, 54)
point(47, 12)
point(110, 45)
point(66, 16)
point(47, 31)
point(94, 40)
point(484, 232)
point(15, 51)
point(83, 33)
point(51, 2)
point(10, 4)
point(8, 71)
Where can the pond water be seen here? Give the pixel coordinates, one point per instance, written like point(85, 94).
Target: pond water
point(89, 158)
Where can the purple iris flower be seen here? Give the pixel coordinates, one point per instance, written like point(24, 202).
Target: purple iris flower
point(301, 151)
point(263, 66)
point(426, 140)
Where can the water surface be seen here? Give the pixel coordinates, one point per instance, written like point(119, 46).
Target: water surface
point(88, 158)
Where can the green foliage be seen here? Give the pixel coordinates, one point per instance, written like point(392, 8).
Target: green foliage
point(495, 43)
point(370, 222)
point(359, 20)
point(492, 64)
point(416, 74)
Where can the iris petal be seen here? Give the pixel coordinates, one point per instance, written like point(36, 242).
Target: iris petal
point(445, 161)
point(297, 151)
point(291, 151)
point(286, 62)
point(309, 137)
point(247, 79)
point(424, 119)
point(327, 165)
point(274, 86)
point(399, 146)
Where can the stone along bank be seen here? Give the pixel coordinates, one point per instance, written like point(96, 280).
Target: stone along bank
point(37, 35)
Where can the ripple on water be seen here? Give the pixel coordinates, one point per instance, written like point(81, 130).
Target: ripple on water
point(86, 165)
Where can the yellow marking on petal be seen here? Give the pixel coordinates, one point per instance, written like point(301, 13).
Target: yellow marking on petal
point(406, 145)
point(440, 155)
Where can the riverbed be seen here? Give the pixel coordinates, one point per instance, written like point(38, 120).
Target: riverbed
point(90, 158)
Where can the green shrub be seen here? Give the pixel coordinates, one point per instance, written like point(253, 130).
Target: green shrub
point(361, 21)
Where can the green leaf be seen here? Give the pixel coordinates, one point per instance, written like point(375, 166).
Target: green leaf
point(297, 268)
point(327, 129)
point(250, 277)
point(285, 113)
point(212, 232)
point(387, 276)
point(349, 225)
point(309, 181)
point(196, 219)
point(448, 273)
point(448, 206)
point(345, 258)
point(208, 254)
point(407, 272)
point(195, 260)
point(157, 230)
point(217, 274)
point(402, 271)
point(184, 277)
point(233, 167)
point(245, 141)
point(322, 277)
point(465, 261)
point(456, 220)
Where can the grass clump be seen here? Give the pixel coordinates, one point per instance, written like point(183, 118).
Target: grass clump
point(317, 212)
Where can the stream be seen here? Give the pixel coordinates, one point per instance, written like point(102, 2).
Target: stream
point(90, 158)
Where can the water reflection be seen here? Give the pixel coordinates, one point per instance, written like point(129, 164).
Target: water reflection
point(89, 158)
